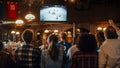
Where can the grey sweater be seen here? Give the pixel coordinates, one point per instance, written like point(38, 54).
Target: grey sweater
point(47, 62)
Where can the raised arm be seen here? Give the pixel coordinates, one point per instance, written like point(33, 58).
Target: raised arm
point(113, 25)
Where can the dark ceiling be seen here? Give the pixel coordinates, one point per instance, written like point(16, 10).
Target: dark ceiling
point(80, 11)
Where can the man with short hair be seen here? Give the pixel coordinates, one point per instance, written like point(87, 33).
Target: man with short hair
point(28, 56)
point(109, 55)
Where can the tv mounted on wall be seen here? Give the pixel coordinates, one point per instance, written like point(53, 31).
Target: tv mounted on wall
point(52, 13)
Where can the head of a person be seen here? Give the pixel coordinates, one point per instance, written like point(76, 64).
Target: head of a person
point(52, 39)
point(27, 36)
point(75, 39)
point(1, 46)
point(53, 50)
point(86, 43)
point(100, 37)
point(84, 30)
point(63, 36)
point(110, 33)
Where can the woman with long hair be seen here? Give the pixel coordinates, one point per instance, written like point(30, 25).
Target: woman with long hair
point(52, 57)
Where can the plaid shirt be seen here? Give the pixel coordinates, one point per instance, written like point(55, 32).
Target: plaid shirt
point(84, 60)
point(28, 56)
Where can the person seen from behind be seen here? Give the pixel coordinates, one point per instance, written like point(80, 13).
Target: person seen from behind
point(109, 55)
point(28, 56)
point(52, 57)
point(66, 45)
point(6, 59)
point(86, 56)
point(74, 48)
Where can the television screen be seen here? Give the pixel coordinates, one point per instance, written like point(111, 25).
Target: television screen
point(53, 13)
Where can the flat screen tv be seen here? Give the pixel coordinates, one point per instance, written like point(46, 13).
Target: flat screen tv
point(52, 13)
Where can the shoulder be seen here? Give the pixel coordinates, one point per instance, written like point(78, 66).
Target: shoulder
point(4, 53)
point(46, 51)
point(67, 43)
point(104, 44)
point(35, 50)
point(73, 46)
point(77, 53)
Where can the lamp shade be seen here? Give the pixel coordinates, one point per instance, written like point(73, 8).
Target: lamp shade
point(19, 22)
point(30, 17)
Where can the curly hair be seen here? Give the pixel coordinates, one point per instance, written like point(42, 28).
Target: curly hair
point(86, 43)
